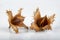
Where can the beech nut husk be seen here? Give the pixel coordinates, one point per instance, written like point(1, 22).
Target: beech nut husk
point(16, 21)
point(41, 23)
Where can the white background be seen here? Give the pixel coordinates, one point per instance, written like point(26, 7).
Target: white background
point(47, 7)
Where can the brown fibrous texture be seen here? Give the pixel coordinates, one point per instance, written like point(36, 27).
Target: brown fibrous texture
point(16, 21)
point(41, 23)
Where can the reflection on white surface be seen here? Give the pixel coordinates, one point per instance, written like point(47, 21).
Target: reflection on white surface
point(54, 34)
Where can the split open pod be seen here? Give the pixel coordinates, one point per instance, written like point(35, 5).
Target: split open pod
point(16, 21)
point(41, 23)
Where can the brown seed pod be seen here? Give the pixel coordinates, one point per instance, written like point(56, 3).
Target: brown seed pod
point(41, 23)
point(16, 21)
